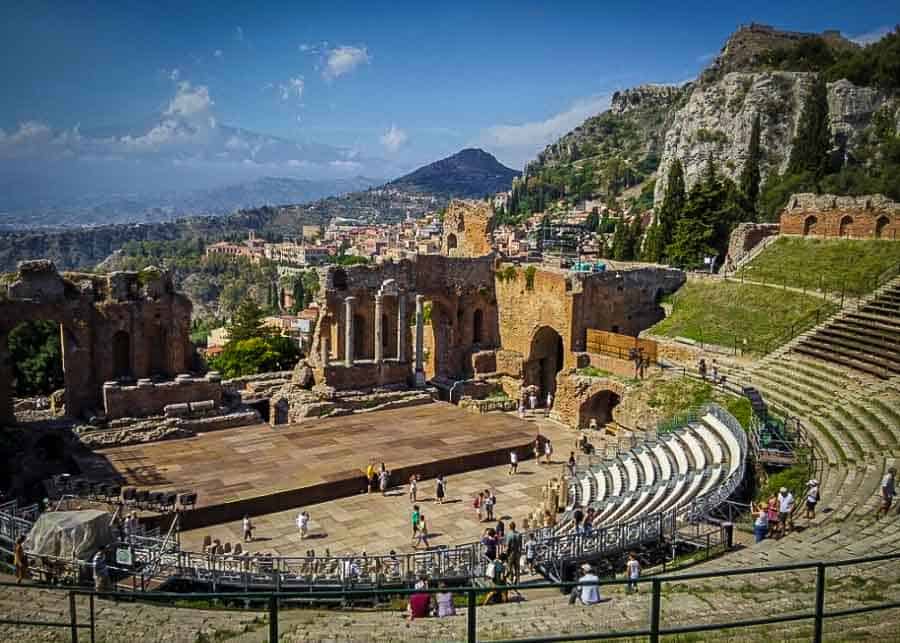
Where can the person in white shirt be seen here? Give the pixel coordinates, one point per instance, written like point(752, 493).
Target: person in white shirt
point(785, 508)
point(303, 524)
point(248, 529)
point(633, 569)
point(588, 592)
point(812, 498)
point(513, 462)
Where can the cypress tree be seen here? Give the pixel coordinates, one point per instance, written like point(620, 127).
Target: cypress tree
point(673, 204)
point(813, 140)
point(749, 180)
point(652, 249)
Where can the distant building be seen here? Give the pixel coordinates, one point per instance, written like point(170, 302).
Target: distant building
point(217, 337)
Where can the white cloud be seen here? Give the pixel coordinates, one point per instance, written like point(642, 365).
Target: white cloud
point(189, 100)
point(175, 74)
point(293, 87)
point(236, 143)
point(345, 165)
point(705, 58)
point(218, 53)
point(239, 33)
point(520, 143)
point(872, 36)
point(393, 139)
point(342, 60)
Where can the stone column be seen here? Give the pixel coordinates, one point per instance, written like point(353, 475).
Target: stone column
point(420, 340)
point(348, 331)
point(323, 344)
point(379, 329)
point(401, 327)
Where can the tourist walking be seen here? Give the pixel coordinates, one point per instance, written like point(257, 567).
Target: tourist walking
point(20, 560)
point(570, 465)
point(101, 571)
point(512, 545)
point(513, 463)
point(548, 450)
point(370, 477)
point(478, 505)
point(549, 402)
point(248, 529)
point(488, 506)
point(633, 570)
point(578, 517)
point(440, 489)
point(489, 542)
point(772, 514)
point(888, 491)
point(383, 477)
point(701, 368)
point(588, 589)
point(530, 553)
point(761, 524)
point(414, 520)
point(812, 498)
point(303, 524)
point(413, 487)
point(421, 533)
point(785, 510)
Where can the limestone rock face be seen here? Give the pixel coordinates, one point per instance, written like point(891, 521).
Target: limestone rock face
point(303, 375)
point(718, 117)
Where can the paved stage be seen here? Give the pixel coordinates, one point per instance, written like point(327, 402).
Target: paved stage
point(261, 469)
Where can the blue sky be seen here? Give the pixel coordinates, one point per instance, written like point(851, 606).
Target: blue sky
point(392, 85)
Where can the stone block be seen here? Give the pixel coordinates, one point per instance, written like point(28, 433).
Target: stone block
point(176, 410)
point(484, 361)
point(203, 406)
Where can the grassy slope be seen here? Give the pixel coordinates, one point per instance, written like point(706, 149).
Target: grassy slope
point(831, 263)
point(722, 312)
point(679, 395)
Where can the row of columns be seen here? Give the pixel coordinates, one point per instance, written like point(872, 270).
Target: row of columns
point(349, 356)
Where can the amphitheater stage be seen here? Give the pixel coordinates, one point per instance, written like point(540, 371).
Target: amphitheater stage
point(260, 469)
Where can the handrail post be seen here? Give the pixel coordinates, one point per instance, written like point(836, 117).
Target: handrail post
point(820, 603)
point(273, 618)
point(73, 617)
point(655, 610)
point(471, 625)
point(93, 624)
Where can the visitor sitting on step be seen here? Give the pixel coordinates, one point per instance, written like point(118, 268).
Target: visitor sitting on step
point(761, 524)
point(588, 589)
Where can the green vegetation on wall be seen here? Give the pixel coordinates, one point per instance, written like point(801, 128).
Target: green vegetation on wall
point(36, 356)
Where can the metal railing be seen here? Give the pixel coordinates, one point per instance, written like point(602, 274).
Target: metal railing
point(271, 602)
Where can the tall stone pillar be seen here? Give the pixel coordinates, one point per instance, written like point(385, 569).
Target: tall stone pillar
point(401, 327)
point(420, 340)
point(348, 331)
point(323, 345)
point(379, 329)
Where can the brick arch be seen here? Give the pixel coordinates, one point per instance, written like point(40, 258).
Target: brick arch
point(546, 356)
point(809, 225)
point(845, 225)
point(881, 223)
point(577, 398)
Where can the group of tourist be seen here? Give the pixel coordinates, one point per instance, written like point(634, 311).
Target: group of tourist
point(380, 476)
point(532, 401)
point(774, 518)
point(543, 447)
point(713, 371)
point(423, 604)
point(484, 504)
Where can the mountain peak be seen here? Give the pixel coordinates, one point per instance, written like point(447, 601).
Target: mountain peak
point(470, 173)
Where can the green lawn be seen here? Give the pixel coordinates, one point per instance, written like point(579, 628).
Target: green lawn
point(829, 264)
point(672, 397)
point(727, 313)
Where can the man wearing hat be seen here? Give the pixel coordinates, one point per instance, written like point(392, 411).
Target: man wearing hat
point(588, 592)
point(812, 497)
point(785, 508)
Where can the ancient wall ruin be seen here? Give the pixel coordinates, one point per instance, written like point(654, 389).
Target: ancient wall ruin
point(121, 326)
point(852, 217)
point(744, 238)
point(467, 229)
point(147, 397)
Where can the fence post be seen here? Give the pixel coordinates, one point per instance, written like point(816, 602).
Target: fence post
point(93, 634)
point(820, 603)
point(73, 617)
point(471, 625)
point(273, 618)
point(654, 611)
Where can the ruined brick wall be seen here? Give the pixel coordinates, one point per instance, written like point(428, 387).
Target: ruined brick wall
point(467, 229)
point(150, 398)
point(366, 375)
point(121, 325)
point(747, 236)
point(575, 395)
point(826, 215)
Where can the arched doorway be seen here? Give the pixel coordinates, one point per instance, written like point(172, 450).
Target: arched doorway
point(121, 347)
point(846, 222)
point(545, 360)
point(451, 242)
point(599, 408)
point(361, 348)
point(880, 224)
point(809, 225)
point(477, 327)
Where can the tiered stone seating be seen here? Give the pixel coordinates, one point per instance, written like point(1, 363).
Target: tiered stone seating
point(867, 339)
point(679, 467)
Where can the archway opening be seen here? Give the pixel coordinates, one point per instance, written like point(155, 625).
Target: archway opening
point(809, 225)
point(362, 348)
point(880, 224)
point(451, 242)
point(545, 360)
point(38, 372)
point(121, 349)
point(846, 222)
point(339, 279)
point(478, 327)
point(598, 409)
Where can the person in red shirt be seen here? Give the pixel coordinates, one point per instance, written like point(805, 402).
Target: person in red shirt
point(419, 606)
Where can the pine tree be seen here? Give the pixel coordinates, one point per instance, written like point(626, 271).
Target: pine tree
point(634, 238)
point(652, 249)
point(750, 177)
point(620, 243)
point(673, 204)
point(299, 295)
point(813, 140)
point(247, 322)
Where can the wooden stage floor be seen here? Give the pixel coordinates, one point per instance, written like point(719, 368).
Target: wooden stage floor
point(315, 461)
